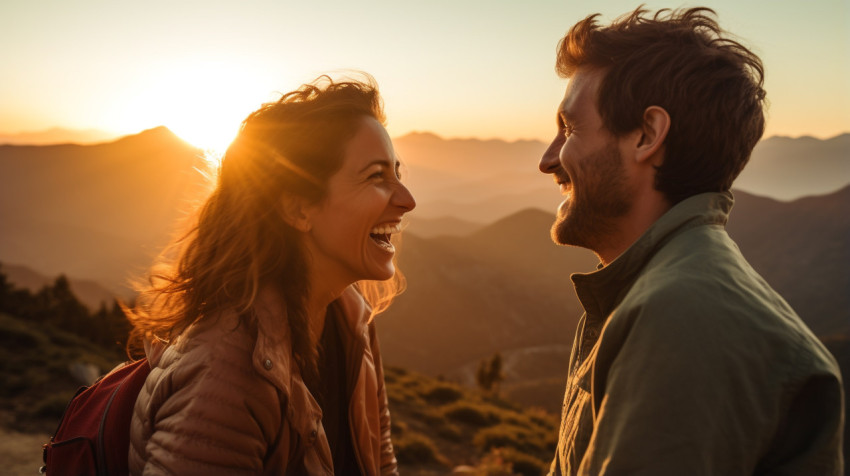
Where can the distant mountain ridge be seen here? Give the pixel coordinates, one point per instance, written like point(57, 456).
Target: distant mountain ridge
point(788, 168)
point(506, 288)
point(89, 292)
point(97, 212)
point(484, 180)
point(57, 135)
point(483, 274)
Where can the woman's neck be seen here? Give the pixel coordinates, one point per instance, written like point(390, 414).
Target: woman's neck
point(316, 308)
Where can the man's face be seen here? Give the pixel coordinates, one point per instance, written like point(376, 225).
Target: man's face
point(585, 160)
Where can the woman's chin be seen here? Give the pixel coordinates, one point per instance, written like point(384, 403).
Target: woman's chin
point(382, 274)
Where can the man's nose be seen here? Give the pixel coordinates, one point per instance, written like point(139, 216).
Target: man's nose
point(551, 161)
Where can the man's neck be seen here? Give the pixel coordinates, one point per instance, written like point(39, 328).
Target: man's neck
point(633, 225)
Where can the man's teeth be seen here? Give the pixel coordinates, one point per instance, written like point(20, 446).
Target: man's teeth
point(386, 229)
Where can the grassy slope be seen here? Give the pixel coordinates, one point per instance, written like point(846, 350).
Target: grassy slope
point(437, 425)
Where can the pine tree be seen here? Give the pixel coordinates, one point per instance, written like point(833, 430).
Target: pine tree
point(489, 374)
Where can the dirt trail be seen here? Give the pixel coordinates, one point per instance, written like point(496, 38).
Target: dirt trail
point(20, 453)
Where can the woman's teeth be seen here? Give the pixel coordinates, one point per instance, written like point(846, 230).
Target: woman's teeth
point(386, 229)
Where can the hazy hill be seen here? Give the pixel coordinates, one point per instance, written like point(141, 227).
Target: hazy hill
point(57, 135)
point(101, 212)
point(503, 288)
point(449, 225)
point(453, 176)
point(90, 293)
point(786, 168)
point(482, 181)
point(506, 288)
point(98, 212)
point(801, 248)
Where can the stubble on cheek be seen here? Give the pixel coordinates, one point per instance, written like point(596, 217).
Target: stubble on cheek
point(589, 215)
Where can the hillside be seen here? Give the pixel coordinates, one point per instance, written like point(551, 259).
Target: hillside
point(90, 293)
point(477, 285)
point(506, 288)
point(436, 425)
point(788, 168)
point(484, 180)
point(801, 249)
point(96, 212)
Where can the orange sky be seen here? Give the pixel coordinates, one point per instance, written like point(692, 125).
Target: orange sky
point(461, 69)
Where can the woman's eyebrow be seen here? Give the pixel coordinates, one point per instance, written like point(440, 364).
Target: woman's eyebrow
point(384, 162)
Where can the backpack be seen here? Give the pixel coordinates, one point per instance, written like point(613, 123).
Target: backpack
point(93, 436)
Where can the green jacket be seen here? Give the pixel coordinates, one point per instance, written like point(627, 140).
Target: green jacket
point(687, 362)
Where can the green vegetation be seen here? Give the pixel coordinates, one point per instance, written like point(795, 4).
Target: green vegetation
point(439, 424)
point(43, 336)
point(436, 424)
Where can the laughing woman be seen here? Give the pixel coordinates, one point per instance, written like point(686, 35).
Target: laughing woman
point(263, 351)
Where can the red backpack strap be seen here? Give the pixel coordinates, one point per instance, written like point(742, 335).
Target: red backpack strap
point(113, 441)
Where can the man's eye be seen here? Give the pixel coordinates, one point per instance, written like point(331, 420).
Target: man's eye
point(568, 130)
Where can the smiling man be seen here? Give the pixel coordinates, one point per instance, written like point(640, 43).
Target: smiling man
point(685, 361)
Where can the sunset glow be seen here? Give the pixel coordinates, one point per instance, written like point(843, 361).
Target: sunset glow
point(458, 69)
point(203, 102)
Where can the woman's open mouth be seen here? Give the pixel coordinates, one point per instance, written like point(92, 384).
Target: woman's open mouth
point(381, 235)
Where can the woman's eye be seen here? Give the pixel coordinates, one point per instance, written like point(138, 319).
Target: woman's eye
point(568, 130)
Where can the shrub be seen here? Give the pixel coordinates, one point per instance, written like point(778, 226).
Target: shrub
point(449, 432)
point(509, 436)
point(442, 394)
point(428, 416)
point(542, 418)
point(397, 428)
point(416, 449)
point(52, 406)
point(523, 464)
point(472, 415)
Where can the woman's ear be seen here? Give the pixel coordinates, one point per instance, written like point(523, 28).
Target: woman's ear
point(656, 124)
point(296, 212)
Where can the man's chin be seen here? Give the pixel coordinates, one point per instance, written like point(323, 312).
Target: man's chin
point(557, 232)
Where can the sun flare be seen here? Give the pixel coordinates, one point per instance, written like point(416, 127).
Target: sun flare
point(204, 103)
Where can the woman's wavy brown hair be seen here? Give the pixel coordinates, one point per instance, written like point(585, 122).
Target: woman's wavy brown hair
point(238, 241)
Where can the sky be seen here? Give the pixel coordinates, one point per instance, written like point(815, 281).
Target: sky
point(458, 68)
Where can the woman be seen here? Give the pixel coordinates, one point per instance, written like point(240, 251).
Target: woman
point(263, 352)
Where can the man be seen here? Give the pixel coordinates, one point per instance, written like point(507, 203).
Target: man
point(685, 361)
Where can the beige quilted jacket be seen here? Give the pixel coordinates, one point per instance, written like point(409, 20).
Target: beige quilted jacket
point(227, 398)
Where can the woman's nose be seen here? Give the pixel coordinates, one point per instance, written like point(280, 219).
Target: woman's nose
point(402, 198)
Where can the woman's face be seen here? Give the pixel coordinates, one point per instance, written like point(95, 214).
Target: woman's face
point(349, 231)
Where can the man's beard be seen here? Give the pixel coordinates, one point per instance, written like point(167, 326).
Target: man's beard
point(600, 197)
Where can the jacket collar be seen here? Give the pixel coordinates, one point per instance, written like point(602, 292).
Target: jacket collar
point(273, 352)
point(601, 290)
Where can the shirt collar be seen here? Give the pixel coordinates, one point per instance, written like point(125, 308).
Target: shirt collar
point(601, 290)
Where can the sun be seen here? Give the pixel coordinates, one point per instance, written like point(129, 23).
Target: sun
point(203, 102)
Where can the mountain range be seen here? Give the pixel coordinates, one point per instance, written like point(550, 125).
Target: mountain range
point(483, 274)
point(57, 135)
point(480, 181)
point(99, 212)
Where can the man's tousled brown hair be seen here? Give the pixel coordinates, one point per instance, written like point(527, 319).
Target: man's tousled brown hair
point(681, 60)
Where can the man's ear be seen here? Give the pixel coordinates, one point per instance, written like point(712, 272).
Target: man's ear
point(656, 124)
point(296, 212)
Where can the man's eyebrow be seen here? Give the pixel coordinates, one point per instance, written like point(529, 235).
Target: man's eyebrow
point(562, 119)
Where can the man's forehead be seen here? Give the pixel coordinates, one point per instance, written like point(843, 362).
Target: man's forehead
point(580, 91)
